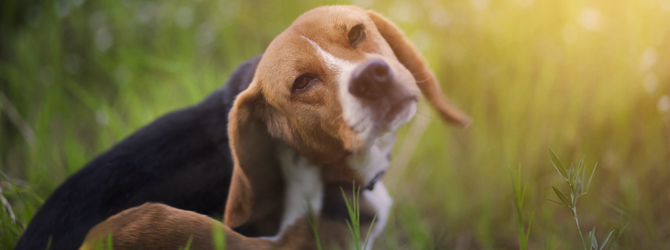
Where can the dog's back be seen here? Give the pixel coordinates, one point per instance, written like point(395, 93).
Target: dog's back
point(181, 159)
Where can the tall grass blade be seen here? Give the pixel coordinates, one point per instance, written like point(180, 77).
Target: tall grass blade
point(354, 215)
point(619, 230)
point(580, 166)
point(110, 242)
point(519, 193)
point(592, 239)
point(607, 238)
point(49, 243)
point(313, 225)
point(188, 243)
point(562, 197)
point(530, 223)
point(557, 164)
point(367, 236)
point(218, 237)
point(591, 178)
point(559, 203)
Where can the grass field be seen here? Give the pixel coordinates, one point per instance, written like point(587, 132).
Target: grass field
point(579, 77)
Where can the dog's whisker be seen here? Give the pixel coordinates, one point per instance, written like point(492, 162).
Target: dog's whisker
point(421, 114)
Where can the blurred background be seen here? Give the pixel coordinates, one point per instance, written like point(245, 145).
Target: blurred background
point(577, 76)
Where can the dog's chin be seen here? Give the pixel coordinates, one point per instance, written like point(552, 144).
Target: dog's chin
point(400, 113)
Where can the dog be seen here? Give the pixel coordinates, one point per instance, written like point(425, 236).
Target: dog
point(320, 113)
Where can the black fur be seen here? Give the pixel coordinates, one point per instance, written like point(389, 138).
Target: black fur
point(181, 159)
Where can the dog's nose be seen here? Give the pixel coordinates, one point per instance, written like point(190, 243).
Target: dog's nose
point(370, 79)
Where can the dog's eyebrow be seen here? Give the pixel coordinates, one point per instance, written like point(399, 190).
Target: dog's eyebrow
point(294, 68)
point(286, 60)
point(345, 28)
point(298, 64)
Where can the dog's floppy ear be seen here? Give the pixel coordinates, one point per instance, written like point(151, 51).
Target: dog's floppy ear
point(412, 60)
point(256, 187)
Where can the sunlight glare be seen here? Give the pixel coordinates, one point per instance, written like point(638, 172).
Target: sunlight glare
point(664, 104)
point(649, 58)
point(589, 18)
point(650, 82)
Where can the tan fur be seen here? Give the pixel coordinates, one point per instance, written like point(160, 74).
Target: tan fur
point(267, 112)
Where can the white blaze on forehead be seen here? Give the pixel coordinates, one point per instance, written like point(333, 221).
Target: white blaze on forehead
point(333, 63)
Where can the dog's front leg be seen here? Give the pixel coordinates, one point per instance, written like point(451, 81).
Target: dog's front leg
point(158, 226)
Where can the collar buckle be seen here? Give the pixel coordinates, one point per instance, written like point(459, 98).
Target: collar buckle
point(371, 185)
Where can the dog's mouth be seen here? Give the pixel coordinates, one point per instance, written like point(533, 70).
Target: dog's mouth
point(398, 109)
point(387, 115)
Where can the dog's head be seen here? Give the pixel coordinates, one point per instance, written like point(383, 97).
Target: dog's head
point(327, 86)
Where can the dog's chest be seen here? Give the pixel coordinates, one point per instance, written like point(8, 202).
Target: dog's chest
point(304, 185)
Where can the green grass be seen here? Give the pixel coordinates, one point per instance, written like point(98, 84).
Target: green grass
point(519, 194)
point(313, 224)
point(577, 76)
point(354, 222)
point(578, 186)
point(219, 237)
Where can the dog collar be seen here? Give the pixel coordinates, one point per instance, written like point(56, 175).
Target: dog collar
point(377, 178)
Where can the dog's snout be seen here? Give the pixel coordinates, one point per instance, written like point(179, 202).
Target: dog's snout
point(370, 79)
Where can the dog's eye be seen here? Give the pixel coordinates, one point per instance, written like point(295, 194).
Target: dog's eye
point(356, 35)
point(303, 82)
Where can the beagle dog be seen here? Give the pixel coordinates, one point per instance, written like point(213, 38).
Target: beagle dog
point(320, 113)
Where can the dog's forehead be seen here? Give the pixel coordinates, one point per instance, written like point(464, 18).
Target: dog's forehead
point(329, 21)
point(302, 46)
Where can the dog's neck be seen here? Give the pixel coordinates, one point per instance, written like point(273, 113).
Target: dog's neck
point(373, 160)
point(303, 186)
point(305, 182)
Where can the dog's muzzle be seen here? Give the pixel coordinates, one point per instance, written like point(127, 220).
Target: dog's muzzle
point(374, 84)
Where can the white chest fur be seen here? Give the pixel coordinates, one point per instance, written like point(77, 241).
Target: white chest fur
point(369, 163)
point(304, 186)
point(382, 201)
